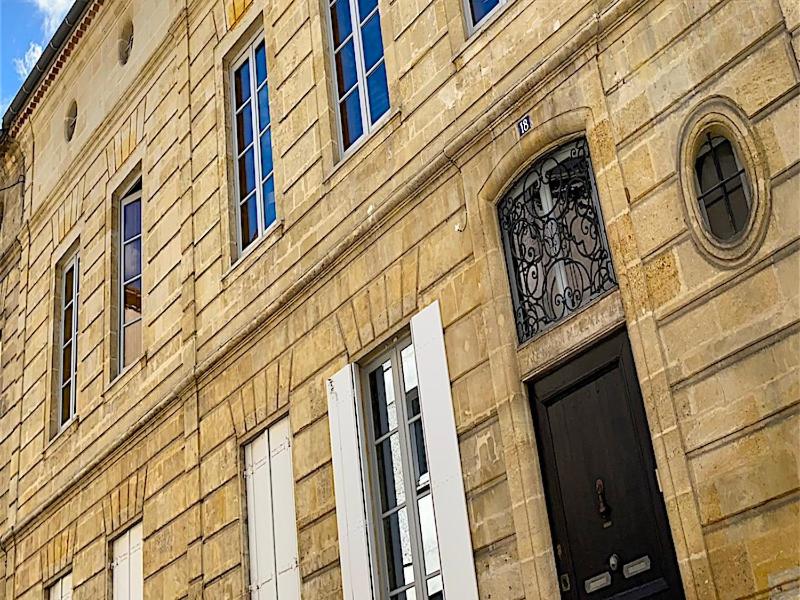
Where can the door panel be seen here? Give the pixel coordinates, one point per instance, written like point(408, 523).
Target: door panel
point(607, 515)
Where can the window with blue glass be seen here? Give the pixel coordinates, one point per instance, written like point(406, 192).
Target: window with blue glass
point(255, 183)
point(480, 9)
point(362, 90)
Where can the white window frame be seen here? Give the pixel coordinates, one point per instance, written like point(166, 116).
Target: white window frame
point(361, 75)
point(128, 199)
point(472, 28)
point(72, 262)
point(61, 589)
point(250, 53)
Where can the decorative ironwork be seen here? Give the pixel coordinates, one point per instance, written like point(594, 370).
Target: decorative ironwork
point(555, 244)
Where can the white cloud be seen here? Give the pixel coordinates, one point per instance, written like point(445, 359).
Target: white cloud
point(53, 12)
point(25, 64)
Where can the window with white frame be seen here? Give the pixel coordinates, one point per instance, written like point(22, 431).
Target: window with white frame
point(127, 573)
point(400, 502)
point(254, 181)
point(130, 274)
point(362, 90)
point(67, 340)
point(478, 10)
point(271, 519)
point(61, 589)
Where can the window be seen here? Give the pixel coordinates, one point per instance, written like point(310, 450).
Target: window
point(127, 571)
point(397, 474)
point(255, 184)
point(130, 274)
point(722, 187)
point(68, 340)
point(61, 589)
point(478, 10)
point(554, 240)
point(362, 90)
point(125, 42)
point(71, 121)
point(271, 520)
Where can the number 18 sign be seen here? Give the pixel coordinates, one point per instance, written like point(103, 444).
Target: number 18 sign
point(524, 125)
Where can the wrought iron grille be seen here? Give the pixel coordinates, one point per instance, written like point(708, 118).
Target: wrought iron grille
point(555, 244)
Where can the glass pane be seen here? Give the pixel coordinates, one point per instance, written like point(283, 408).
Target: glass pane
point(350, 111)
point(66, 362)
point(373, 43)
point(410, 379)
point(132, 299)
point(381, 393)
point(247, 173)
point(481, 8)
point(269, 202)
point(244, 128)
point(248, 215)
point(66, 403)
point(427, 525)
point(263, 108)
point(346, 74)
point(717, 214)
point(132, 258)
point(132, 219)
point(725, 156)
point(419, 454)
point(706, 171)
point(266, 152)
point(241, 84)
point(132, 347)
point(378, 93)
point(739, 206)
point(400, 567)
point(261, 64)
point(69, 284)
point(435, 590)
point(365, 7)
point(66, 324)
point(390, 473)
point(341, 23)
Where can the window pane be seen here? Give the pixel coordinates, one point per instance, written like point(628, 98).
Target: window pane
point(132, 219)
point(427, 525)
point(69, 284)
point(373, 43)
point(266, 152)
point(390, 473)
point(410, 379)
point(717, 214)
point(725, 156)
point(66, 403)
point(350, 111)
point(365, 7)
point(66, 362)
point(244, 129)
point(341, 23)
point(261, 63)
point(397, 538)
point(241, 84)
point(263, 108)
point(706, 172)
point(66, 323)
point(132, 298)
point(381, 393)
point(132, 347)
point(481, 8)
point(269, 202)
point(248, 219)
point(132, 258)
point(435, 591)
point(247, 173)
point(739, 205)
point(346, 74)
point(378, 93)
point(419, 453)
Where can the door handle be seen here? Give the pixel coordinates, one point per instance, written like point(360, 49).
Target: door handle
point(603, 509)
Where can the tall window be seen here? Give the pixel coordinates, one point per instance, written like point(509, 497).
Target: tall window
point(68, 340)
point(361, 86)
point(61, 589)
point(130, 289)
point(127, 568)
point(723, 189)
point(255, 185)
point(402, 500)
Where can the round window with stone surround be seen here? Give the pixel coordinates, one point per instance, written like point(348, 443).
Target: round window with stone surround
point(724, 182)
point(71, 120)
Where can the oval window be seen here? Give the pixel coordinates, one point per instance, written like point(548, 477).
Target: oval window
point(71, 120)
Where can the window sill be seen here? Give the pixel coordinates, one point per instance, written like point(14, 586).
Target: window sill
point(477, 36)
point(63, 434)
point(253, 252)
point(125, 375)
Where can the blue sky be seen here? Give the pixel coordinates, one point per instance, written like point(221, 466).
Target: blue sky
point(25, 28)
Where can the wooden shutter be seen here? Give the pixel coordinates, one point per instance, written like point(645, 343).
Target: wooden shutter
point(285, 523)
point(259, 520)
point(120, 567)
point(444, 462)
point(348, 485)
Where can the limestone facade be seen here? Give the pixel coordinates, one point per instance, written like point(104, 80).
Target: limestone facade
point(367, 239)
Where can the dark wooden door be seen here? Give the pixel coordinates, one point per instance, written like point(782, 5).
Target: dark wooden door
point(607, 515)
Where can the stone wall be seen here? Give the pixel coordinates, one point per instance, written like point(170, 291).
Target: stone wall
point(234, 344)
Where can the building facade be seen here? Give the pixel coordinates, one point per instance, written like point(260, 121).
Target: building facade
point(393, 299)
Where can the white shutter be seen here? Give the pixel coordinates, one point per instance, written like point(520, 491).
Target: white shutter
point(120, 567)
point(444, 463)
point(285, 519)
point(66, 587)
point(259, 520)
point(348, 486)
point(135, 565)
